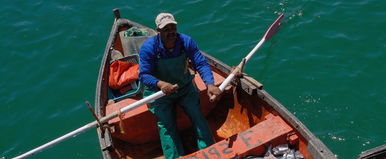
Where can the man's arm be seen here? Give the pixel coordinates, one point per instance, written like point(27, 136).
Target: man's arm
point(202, 66)
point(199, 61)
point(146, 71)
point(146, 66)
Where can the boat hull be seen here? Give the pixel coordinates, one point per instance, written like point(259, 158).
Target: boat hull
point(374, 153)
point(245, 121)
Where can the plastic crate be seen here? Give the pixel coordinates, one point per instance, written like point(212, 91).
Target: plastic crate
point(115, 94)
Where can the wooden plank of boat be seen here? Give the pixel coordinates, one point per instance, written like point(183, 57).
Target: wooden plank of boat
point(374, 153)
point(253, 139)
point(245, 121)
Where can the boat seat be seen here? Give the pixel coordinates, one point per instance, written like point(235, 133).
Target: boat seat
point(206, 105)
point(218, 79)
point(274, 130)
point(136, 126)
point(140, 125)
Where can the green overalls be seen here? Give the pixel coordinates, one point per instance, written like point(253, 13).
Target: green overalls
point(173, 70)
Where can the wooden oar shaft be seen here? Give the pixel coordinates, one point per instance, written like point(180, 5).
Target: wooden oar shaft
point(143, 101)
point(93, 124)
point(238, 68)
point(58, 140)
point(254, 50)
point(268, 34)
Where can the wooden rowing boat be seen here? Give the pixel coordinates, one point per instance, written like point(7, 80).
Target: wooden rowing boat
point(246, 121)
point(374, 153)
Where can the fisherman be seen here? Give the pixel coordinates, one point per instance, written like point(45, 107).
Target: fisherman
point(163, 59)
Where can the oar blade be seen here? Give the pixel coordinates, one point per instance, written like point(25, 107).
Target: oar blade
point(273, 28)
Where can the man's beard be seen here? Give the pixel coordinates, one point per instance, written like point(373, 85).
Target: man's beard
point(171, 37)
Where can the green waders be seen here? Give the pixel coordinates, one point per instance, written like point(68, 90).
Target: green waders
point(173, 71)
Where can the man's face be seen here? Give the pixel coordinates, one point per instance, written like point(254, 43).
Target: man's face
point(169, 33)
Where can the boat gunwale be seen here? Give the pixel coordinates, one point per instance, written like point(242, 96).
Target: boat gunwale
point(314, 145)
point(373, 152)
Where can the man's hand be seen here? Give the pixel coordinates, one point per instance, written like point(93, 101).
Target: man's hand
point(166, 87)
point(238, 74)
point(213, 90)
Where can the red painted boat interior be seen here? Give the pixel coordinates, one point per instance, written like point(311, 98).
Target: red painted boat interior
point(139, 125)
point(242, 125)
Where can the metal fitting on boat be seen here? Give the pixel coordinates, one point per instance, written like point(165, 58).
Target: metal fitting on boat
point(281, 149)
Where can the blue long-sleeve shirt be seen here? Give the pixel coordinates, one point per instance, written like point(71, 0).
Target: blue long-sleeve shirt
point(148, 55)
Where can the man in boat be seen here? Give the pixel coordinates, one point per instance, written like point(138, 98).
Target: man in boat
point(162, 65)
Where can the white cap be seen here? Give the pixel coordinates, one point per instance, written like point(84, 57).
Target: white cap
point(164, 19)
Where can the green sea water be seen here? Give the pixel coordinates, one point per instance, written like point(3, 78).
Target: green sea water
point(326, 65)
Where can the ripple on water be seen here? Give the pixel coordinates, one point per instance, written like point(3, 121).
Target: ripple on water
point(325, 63)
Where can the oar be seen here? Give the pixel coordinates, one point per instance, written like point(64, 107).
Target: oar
point(93, 124)
point(267, 36)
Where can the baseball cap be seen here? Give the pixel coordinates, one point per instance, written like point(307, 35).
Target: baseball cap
point(164, 19)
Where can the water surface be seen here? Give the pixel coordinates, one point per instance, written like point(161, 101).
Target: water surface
point(326, 65)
